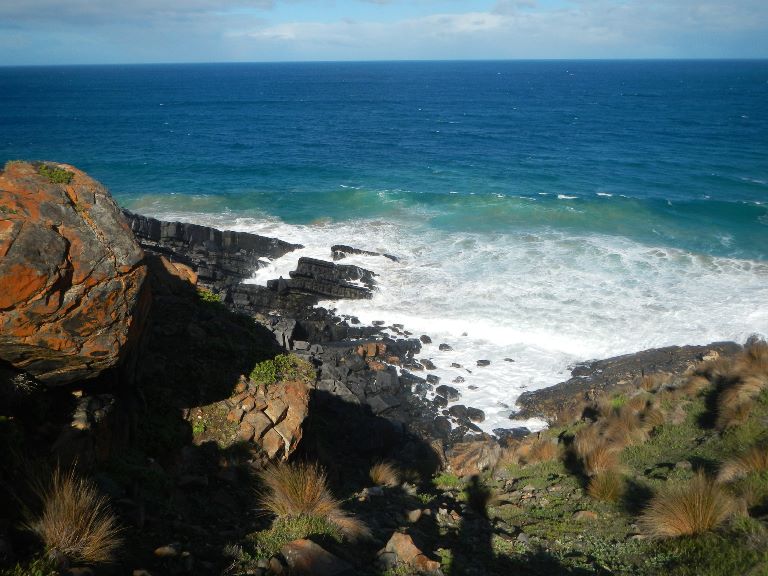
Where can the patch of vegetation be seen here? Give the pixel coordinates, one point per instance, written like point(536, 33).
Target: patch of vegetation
point(40, 566)
point(267, 543)
point(6, 210)
point(282, 368)
point(208, 297)
point(447, 481)
point(54, 174)
point(384, 474)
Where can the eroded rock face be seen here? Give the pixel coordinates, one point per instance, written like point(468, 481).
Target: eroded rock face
point(72, 290)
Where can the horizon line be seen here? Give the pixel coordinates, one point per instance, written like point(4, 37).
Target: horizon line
point(385, 60)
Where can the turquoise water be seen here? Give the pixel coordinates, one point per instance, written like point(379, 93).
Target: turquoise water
point(553, 211)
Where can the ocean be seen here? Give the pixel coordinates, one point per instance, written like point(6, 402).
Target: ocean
point(546, 212)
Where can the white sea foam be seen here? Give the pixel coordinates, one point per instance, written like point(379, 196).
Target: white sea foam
point(545, 299)
point(566, 197)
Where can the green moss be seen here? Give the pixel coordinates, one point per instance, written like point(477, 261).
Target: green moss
point(283, 367)
point(55, 175)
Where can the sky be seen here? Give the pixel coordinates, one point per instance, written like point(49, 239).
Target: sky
point(145, 31)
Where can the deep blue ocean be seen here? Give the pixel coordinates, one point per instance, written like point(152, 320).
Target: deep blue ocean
point(553, 210)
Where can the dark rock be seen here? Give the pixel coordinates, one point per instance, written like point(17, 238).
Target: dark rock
point(378, 322)
point(220, 258)
point(455, 365)
point(483, 363)
point(511, 433)
point(432, 379)
point(441, 427)
point(508, 360)
point(73, 293)
point(591, 378)
point(445, 347)
point(428, 364)
point(340, 251)
point(475, 415)
point(425, 339)
point(440, 402)
point(458, 411)
point(447, 392)
point(326, 280)
point(458, 380)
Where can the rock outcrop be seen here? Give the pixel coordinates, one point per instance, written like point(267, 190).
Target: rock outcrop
point(591, 378)
point(72, 279)
point(219, 258)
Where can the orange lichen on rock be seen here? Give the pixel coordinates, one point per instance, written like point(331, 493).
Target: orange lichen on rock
point(72, 276)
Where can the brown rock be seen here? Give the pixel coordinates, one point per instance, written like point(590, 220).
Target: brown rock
point(248, 404)
point(276, 409)
point(402, 545)
point(272, 443)
point(73, 297)
point(260, 423)
point(375, 365)
point(245, 432)
point(424, 564)
point(235, 415)
point(305, 558)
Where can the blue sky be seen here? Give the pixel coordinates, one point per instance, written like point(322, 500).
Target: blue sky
point(127, 31)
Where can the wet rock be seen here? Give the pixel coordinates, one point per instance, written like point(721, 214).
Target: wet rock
point(428, 364)
point(340, 251)
point(73, 297)
point(432, 379)
point(219, 258)
point(425, 339)
point(455, 365)
point(447, 392)
point(458, 380)
point(475, 415)
point(458, 411)
point(508, 360)
point(445, 347)
point(483, 363)
point(440, 401)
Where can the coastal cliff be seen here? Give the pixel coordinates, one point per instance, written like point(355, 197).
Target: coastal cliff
point(211, 391)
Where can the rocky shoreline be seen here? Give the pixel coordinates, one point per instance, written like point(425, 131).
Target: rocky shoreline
point(132, 349)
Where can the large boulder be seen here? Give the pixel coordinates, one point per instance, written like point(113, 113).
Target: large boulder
point(72, 279)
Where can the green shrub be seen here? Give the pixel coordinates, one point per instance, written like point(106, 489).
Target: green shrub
point(55, 175)
point(282, 367)
point(40, 566)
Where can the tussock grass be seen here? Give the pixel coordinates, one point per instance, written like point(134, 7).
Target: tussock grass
point(695, 385)
point(694, 507)
point(652, 418)
point(76, 521)
point(753, 460)
point(301, 489)
point(623, 427)
point(541, 450)
point(745, 377)
point(384, 474)
point(603, 457)
point(607, 486)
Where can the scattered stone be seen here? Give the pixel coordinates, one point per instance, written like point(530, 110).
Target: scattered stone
point(428, 364)
point(508, 360)
point(447, 392)
point(413, 515)
point(168, 551)
point(425, 339)
point(523, 538)
point(305, 558)
point(445, 347)
point(482, 363)
point(455, 365)
point(683, 465)
point(475, 415)
point(402, 545)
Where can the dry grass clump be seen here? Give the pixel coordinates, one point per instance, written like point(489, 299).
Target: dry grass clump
point(624, 428)
point(740, 380)
point(695, 507)
point(603, 457)
point(541, 450)
point(654, 382)
point(76, 521)
point(695, 385)
point(753, 460)
point(301, 490)
point(607, 486)
point(384, 474)
point(652, 417)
